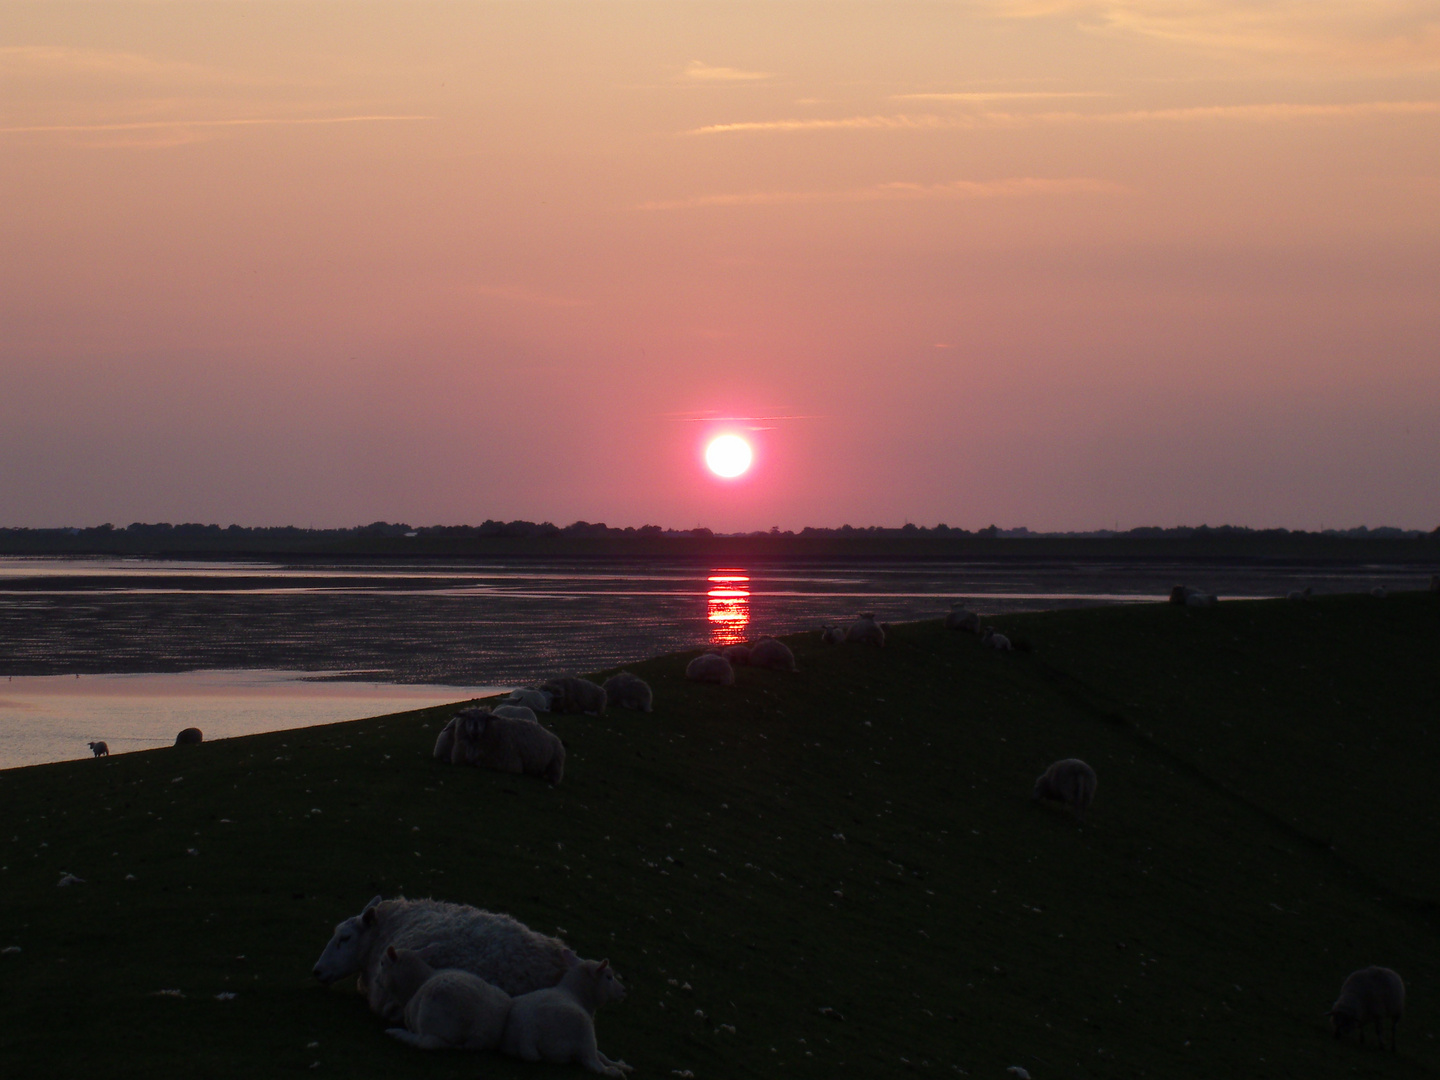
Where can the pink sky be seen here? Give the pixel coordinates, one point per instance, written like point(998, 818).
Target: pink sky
point(1060, 264)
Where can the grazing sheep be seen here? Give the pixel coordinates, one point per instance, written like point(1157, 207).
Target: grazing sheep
point(769, 653)
point(558, 1025)
point(708, 667)
point(831, 635)
point(866, 631)
point(739, 655)
point(191, 736)
point(538, 700)
point(516, 712)
point(1298, 594)
point(506, 744)
point(1071, 782)
point(1372, 994)
point(627, 691)
point(499, 949)
point(449, 1009)
point(1379, 592)
point(575, 695)
point(99, 749)
point(959, 618)
point(1179, 594)
point(993, 639)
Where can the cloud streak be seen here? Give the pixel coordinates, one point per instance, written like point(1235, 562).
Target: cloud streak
point(703, 72)
point(905, 191)
point(155, 125)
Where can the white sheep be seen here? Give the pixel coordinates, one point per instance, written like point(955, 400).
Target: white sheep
point(538, 700)
point(499, 949)
point(866, 630)
point(516, 712)
point(625, 690)
point(709, 667)
point(445, 741)
point(960, 618)
point(506, 744)
point(1071, 782)
point(1372, 994)
point(993, 639)
point(449, 1009)
point(831, 635)
point(99, 749)
point(558, 1025)
point(575, 695)
point(190, 736)
point(769, 653)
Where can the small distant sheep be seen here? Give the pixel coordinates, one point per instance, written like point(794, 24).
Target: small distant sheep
point(832, 635)
point(538, 700)
point(993, 639)
point(516, 712)
point(448, 1009)
point(866, 631)
point(191, 736)
point(628, 691)
point(499, 949)
point(558, 1025)
point(506, 744)
point(959, 618)
point(575, 695)
point(1298, 595)
point(1201, 599)
point(769, 653)
point(99, 749)
point(1370, 995)
point(1379, 592)
point(1071, 782)
point(1179, 594)
point(707, 667)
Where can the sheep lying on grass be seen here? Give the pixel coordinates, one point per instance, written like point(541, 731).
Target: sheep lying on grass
point(499, 949)
point(506, 744)
point(866, 631)
point(516, 712)
point(1298, 594)
point(832, 635)
point(1071, 782)
point(538, 700)
point(558, 1025)
point(738, 655)
point(449, 1009)
point(575, 695)
point(708, 667)
point(769, 653)
point(993, 639)
point(1370, 995)
point(959, 618)
point(190, 736)
point(627, 691)
point(99, 749)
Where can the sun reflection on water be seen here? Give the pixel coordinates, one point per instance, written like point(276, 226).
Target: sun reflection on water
point(729, 606)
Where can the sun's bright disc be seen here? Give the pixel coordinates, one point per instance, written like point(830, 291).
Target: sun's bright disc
point(729, 455)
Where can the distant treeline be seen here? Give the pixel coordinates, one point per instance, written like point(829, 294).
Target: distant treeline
point(583, 538)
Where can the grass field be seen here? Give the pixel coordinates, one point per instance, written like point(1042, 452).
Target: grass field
point(842, 864)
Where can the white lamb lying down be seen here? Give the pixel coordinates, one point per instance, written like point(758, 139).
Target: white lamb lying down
point(960, 618)
point(573, 694)
point(538, 700)
point(516, 712)
point(1071, 782)
point(1370, 995)
point(628, 691)
point(448, 1009)
point(866, 630)
point(769, 653)
point(499, 949)
point(708, 667)
point(832, 635)
point(993, 639)
point(558, 1025)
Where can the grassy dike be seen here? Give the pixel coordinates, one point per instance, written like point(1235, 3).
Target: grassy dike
point(840, 864)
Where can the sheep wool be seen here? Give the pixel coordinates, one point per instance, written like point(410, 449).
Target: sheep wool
point(627, 691)
point(708, 667)
point(1371, 995)
point(866, 631)
point(558, 1025)
point(1071, 782)
point(575, 695)
point(506, 744)
point(448, 1009)
point(769, 653)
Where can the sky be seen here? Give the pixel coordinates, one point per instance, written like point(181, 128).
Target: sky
point(1067, 264)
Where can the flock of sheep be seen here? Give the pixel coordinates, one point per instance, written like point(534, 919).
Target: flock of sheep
point(452, 976)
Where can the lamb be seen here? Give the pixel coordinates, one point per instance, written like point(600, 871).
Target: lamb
point(575, 695)
point(769, 653)
point(499, 949)
point(1071, 782)
point(993, 639)
point(831, 635)
point(99, 749)
point(707, 667)
point(191, 736)
point(507, 744)
point(558, 1025)
point(627, 691)
point(516, 712)
point(1372, 994)
point(866, 631)
point(959, 618)
point(538, 700)
point(447, 1009)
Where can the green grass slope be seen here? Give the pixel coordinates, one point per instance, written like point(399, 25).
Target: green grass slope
point(841, 865)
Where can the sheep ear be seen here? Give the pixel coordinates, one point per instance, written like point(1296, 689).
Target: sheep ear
point(374, 900)
point(604, 964)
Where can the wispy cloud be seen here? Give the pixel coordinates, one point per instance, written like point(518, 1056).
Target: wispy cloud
point(844, 123)
point(982, 96)
point(703, 72)
point(155, 125)
point(905, 191)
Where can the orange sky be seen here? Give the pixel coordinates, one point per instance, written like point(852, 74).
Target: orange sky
point(1041, 262)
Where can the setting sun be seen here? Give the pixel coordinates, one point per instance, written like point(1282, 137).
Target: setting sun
point(728, 456)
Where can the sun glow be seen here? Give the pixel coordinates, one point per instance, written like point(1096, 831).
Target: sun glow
point(728, 456)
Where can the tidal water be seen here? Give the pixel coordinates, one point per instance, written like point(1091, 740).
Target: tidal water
point(241, 647)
